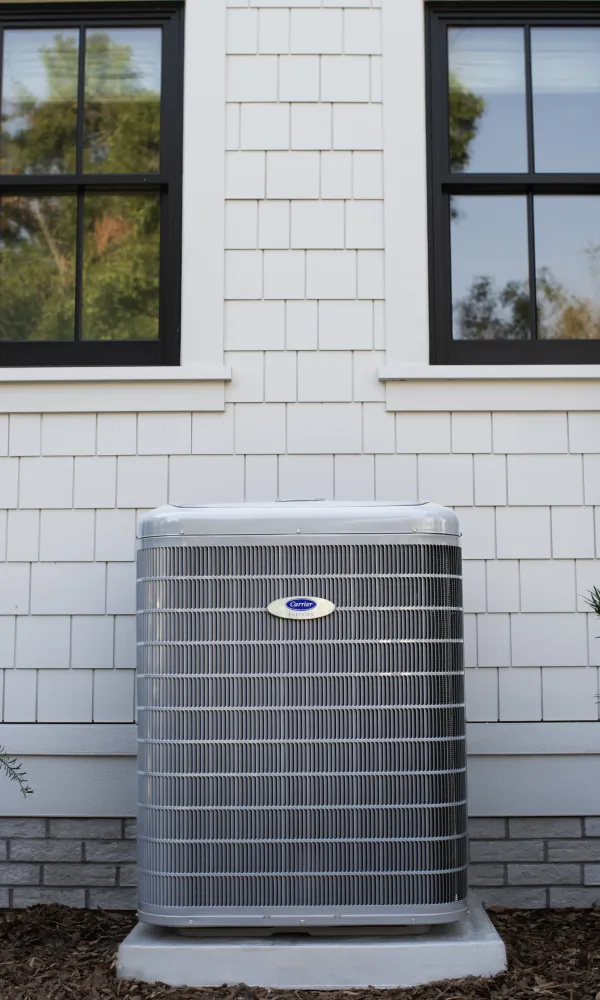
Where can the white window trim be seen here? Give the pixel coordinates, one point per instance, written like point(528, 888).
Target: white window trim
point(405, 176)
point(203, 244)
point(203, 239)
point(411, 381)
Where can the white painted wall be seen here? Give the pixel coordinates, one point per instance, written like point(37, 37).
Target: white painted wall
point(305, 412)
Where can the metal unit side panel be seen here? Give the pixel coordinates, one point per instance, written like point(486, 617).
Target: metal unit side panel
point(301, 770)
point(304, 517)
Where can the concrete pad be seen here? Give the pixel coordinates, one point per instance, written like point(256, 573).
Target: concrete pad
point(470, 947)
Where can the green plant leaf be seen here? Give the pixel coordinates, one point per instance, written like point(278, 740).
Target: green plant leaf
point(592, 599)
point(13, 770)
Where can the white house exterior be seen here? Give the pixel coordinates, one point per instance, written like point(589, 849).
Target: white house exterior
point(305, 372)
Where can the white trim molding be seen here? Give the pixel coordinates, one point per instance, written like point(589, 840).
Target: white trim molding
point(489, 373)
point(405, 183)
point(487, 739)
point(69, 739)
point(498, 786)
point(515, 769)
point(158, 373)
point(527, 739)
point(533, 769)
point(146, 393)
point(534, 785)
point(203, 240)
point(74, 786)
point(473, 392)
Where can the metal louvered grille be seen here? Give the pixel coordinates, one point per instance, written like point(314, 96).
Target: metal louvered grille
point(296, 767)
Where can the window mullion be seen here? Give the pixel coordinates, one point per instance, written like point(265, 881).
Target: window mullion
point(531, 167)
point(80, 195)
point(529, 100)
point(79, 263)
point(80, 104)
point(532, 267)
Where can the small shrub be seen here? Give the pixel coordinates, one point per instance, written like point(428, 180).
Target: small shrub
point(13, 770)
point(593, 600)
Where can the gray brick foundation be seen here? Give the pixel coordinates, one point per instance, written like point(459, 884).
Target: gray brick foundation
point(534, 863)
point(528, 863)
point(78, 862)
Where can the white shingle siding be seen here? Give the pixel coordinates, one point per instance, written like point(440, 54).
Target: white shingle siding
point(519, 696)
point(305, 415)
point(24, 435)
point(65, 696)
point(68, 573)
point(20, 696)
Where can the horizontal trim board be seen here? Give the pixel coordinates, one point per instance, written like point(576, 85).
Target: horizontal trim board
point(483, 395)
point(69, 739)
point(534, 786)
point(151, 395)
point(506, 739)
point(74, 786)
point(493, 739)
point(494, 373)
point(158, 373)
point(499, 786)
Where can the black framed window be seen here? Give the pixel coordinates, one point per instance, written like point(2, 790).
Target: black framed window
point(514, 173)
point(90, 183)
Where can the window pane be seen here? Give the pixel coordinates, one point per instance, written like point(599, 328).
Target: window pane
point(490, 269)
point(39, 102)
point(567, 245)
point(37, 267)
point(122, 100)
point(120, 267)
point(487, 100)
point(566, 99)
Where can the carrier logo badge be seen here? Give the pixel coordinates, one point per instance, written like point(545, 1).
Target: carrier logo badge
point(301, 604)
point(301, 607)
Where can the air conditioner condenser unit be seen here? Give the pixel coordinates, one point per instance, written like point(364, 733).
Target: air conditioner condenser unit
point(301, 733)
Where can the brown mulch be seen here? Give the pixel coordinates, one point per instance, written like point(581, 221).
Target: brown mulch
point(57, 953)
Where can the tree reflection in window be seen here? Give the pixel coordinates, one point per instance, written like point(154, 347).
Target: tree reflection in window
point(37, 267)
point(465, 109)
point(564, 231)
point(119, 235)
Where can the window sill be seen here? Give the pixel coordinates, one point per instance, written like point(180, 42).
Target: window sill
point(158, 373)
point(493, 373)
point(119, 390)
point(478, 388)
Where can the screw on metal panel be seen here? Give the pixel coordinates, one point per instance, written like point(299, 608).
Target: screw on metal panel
point(298, 531)
point(302, 922)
